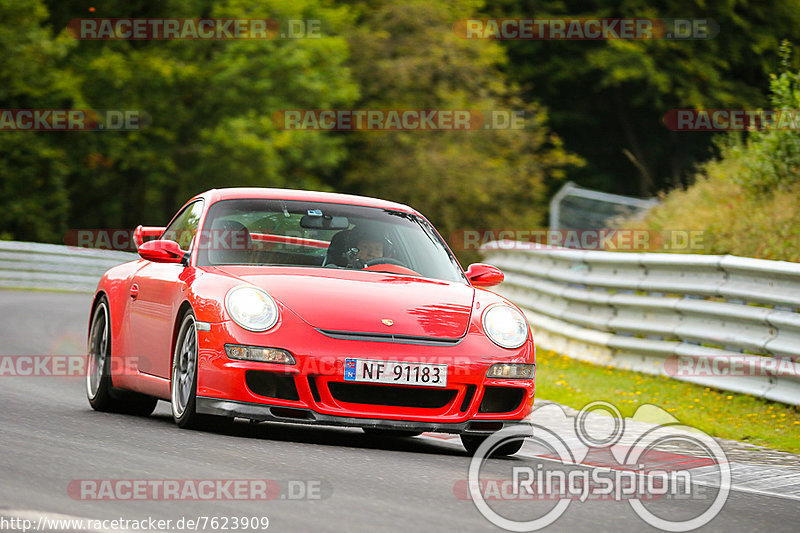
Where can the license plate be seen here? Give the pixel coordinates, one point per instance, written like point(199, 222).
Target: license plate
point(401, 373)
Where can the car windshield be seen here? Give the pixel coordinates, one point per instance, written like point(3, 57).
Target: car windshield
point(323, 235)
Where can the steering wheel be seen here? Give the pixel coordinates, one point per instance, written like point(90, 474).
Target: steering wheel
point(385, 261)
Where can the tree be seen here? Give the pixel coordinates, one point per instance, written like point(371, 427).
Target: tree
point(408, 57)
point(609, 97)
point(33, 169)
point(209, 104)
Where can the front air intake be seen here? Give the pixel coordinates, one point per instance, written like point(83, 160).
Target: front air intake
point(271, 384)
point(390, 395)
point(501, 399)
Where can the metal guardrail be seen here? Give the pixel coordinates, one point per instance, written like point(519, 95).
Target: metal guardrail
point(628, 310)
point(574, 207)
point(649, 312)
point(28, 265)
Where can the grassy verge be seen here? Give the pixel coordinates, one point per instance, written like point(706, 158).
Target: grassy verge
point(733, 220)
point(722, 414)
point(746, 201)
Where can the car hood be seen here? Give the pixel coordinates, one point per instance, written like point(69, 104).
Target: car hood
point(357, 301)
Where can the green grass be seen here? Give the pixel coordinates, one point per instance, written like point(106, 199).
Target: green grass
point(723, 414)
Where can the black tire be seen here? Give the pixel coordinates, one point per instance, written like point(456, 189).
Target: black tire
point(473, 442)
point(183, 381)
point(101, 394)
point(391, 433)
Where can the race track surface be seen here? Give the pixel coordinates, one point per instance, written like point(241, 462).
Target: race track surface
point(51, 439)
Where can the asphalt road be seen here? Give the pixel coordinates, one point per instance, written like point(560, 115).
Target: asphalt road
point(50, 437)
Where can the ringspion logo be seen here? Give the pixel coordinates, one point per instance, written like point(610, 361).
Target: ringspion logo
point(620, 462)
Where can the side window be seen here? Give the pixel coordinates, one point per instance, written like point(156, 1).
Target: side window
point(184, 227)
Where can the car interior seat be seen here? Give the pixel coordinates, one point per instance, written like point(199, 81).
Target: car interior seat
point(337, 249)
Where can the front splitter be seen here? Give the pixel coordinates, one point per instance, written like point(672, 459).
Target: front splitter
point(272, 413)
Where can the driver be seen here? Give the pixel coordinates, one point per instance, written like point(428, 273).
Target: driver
point(369, 248)
point(366, 245)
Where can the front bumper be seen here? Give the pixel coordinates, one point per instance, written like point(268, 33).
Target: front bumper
point(272, 413)
point(313, 390)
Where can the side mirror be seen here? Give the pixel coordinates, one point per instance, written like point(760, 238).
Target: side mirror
point(483, 275)
point(162, 251)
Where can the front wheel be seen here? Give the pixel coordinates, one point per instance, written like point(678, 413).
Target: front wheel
point(473, 442)
point(183, 385)
point(101, 394)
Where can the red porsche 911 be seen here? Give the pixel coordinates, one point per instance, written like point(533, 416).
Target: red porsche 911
point(309, 307)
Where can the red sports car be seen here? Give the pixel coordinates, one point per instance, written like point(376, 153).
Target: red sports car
point(309, 307)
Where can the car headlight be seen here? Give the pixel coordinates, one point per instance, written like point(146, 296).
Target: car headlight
point(505, 326)
point(251, 308)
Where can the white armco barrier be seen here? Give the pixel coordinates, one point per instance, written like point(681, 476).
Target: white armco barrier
point(728, 322)
point(30, 265)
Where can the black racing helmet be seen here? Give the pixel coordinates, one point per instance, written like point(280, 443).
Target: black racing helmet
point(366, 232)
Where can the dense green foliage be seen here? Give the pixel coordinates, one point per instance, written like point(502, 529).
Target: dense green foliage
point(210, 105)
point(409, 57)
point(594, 109)
point(745, 202)
point(771, 158)
point(34, 168)
point(607, 99)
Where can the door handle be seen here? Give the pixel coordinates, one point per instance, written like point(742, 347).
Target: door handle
point(134, 291)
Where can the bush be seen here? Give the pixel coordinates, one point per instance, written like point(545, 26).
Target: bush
point(771, 158)
point(745, 202)
point(733, 219)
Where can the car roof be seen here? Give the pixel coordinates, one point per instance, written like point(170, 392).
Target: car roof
point(239, 193)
